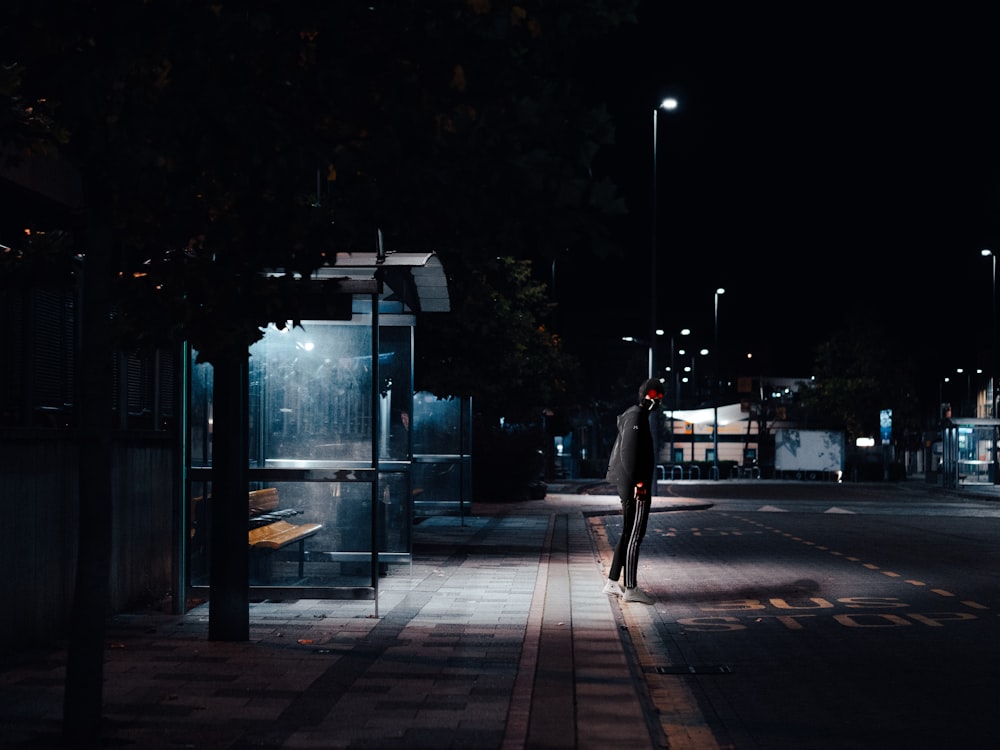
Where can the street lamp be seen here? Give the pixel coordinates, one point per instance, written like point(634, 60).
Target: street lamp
point(668, 105)
point(715, 392)
point(690, 376)
point(967, 404)
point(993, 367)
point(676, 388)
point(695, 393)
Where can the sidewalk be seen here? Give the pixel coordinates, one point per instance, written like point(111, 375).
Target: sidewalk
point(497, 636)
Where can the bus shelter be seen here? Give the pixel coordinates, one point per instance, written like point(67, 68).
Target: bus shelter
point(340, 445)
point(967, 454)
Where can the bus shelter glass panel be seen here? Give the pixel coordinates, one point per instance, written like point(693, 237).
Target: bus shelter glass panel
point(974, 455)
point(329, 456)
point(441, 471)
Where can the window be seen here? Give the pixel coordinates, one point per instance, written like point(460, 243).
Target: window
point(38, 378)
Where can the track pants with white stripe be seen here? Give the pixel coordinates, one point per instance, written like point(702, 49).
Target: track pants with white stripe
point(635, 515)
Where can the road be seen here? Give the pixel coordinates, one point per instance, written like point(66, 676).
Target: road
point(811, 615)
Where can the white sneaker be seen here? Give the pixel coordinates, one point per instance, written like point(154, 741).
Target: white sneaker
point(612, 587)
point(637, 595)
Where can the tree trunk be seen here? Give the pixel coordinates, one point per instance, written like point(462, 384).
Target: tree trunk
point(83, 698)
point(229, 595)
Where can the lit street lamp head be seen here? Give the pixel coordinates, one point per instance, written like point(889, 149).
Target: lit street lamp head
point(668, 104)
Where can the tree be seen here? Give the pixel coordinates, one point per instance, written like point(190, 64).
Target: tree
point(502, 346)
point(859, 371)
point(217, 141)
point(463, 128)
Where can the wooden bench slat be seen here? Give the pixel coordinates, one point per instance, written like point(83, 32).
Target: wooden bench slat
point(275, 515)
point(281, 533)
point(263, 501)
point(276, 533)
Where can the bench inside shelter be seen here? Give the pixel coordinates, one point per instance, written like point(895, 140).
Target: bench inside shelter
point(269, 528)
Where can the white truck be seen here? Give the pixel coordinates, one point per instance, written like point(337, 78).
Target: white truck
point(809, 454)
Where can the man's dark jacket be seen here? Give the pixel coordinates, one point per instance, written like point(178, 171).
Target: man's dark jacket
point(632, 459)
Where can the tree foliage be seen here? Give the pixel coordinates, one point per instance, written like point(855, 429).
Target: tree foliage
point(859, 371)
point(497, 351)
point(230, 138)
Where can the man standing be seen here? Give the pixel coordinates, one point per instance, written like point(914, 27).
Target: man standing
point(632, 467)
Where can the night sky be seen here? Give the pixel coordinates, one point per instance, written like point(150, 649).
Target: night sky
point(822, 164)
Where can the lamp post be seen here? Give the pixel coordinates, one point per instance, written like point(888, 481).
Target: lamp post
point(993, 368)
point(668, 105)
point(693, 379)
point(676, 388)
point(966, 406)
point(715, 391)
